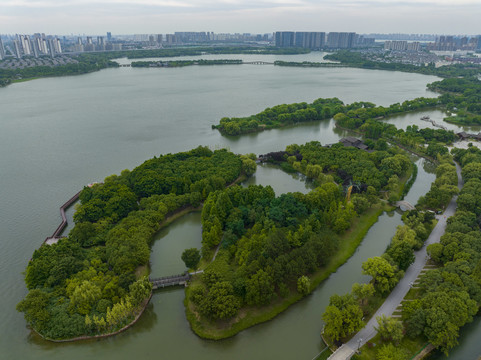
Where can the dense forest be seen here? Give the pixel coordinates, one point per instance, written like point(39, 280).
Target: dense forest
point(270, 246)
point(357, 59)
point(91, 282)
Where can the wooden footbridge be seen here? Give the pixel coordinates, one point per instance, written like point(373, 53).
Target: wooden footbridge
point(56, 235)
point(174, 280)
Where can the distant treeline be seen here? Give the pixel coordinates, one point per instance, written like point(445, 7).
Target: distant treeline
point(181, 63)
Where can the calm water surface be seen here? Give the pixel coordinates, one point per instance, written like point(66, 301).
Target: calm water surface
point(60, 134)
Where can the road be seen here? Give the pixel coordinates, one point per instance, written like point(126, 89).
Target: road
point(399, 292)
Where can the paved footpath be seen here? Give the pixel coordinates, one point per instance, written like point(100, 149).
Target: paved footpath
point(397, 295)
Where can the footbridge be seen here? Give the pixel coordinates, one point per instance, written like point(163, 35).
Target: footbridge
point(173, 280)
point(404, 205)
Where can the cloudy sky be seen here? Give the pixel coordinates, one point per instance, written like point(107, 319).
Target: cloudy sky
point(254, 16)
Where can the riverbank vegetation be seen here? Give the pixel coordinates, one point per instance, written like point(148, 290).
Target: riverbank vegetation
point(443, 188)
point(270, 248)
point(448, 295)
point(86, 283)
point(347, 314)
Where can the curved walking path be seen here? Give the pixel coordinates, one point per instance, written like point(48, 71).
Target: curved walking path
point(399, 292)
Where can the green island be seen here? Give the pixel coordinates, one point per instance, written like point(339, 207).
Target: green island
point(181, 63)
point(272, 251)
point(94, 282)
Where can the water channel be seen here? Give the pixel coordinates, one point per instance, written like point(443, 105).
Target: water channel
point(59, 134)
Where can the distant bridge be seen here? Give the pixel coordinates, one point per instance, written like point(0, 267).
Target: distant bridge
point(167, 281)
point(404, 205)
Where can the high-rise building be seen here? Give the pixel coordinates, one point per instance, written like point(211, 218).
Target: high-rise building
point(35, 48)
point(16, 49)
point(109, 36)
point(2, 50)
point(51, 48)
point(159, 39)
point(285, 38)
point(341, 40)
point(310, 40)
point(25, 44)
point(57, 46)
point(171, 39)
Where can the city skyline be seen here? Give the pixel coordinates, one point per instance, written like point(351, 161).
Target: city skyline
point(263, 16)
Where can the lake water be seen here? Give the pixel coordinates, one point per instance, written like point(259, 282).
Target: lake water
point(59, 134)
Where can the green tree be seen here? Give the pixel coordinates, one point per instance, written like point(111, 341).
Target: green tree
point(220, 302)
point(191, 258)
point(259, 288)
point(303, 285)
point(140, 290)
point(84, 297)
point(34, 307)
point(362, 292)
point(342, 317)
point(402, 253)
point(383, 273)
point(389, 328)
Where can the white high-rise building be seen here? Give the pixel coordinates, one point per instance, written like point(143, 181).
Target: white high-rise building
point(57, 46)
point(16, 47)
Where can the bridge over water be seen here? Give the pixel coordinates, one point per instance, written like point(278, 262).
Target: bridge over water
point(173, 280)
point(404, 205)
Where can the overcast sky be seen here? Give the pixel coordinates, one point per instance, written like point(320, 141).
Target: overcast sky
point(254, 16)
